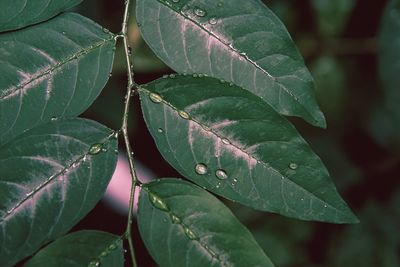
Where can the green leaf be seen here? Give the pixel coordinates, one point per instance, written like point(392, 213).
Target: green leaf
point(183, 225)
point(15, 14)
point(230, 142)
point(50, 178)
point(84, 248)
point(389, 54)
point(332, 15)
point(239, 41)
point(52, 69)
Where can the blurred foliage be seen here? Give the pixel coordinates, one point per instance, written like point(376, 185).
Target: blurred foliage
point(361, 146)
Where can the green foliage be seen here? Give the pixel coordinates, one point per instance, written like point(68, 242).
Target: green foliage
point(84, 248)
point(230, 132)
point(239, 41)
point(193, 228)
point(20, 13)
point(51, 177)
point(228, 136)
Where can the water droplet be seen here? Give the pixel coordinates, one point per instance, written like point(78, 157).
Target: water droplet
point(29, 194)
point(129, 50)
point(213, 20)
point(201, 169)
point(95, 149)
point(155, 98)
point(53, 118)
point(226, 141)
point(220, 4)
point(183, 114)
point(189, 233)
point(175, 219)
point(125, 250)
point(157, 202)
point(175, 1)
point(205, 128)
point(94, 264)
point(103, 254)
point(218, 185)
point(112, 247)
point(165, 76)
point(293, 166)
point(199, 12)
point(172, 76)
point(160, 130)
point(221, 174)
point(195, 75)
point(63, 33)
point(234, 182)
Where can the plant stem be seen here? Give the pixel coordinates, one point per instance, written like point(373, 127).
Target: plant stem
point(131, 86)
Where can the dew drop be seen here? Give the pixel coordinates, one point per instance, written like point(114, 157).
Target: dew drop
point(172, 76)
point(53, 118)
point(95, 149)
point(205, 128)
point(293, 166)
point(221, 174)
point(160, 130)
point(213, 20)
point(189, 233)
point(94, 264)
point(112, 247)
point(157, 202)
point(226, 141)
point(103, 254)
point(199, 12)
point(183, 114)
point(195, 75)
point(218, 185)
point(175, 219)
point(155, 98)
point(201, 169)
point(64, 33)
point(220, 4)
point(234, 182)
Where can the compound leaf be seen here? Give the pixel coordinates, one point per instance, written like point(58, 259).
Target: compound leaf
point(15, 14)
point(50, 178)
point(84, 248)
point(52, 69)
point(184, 225)
point(239, 41)
point(230, 142)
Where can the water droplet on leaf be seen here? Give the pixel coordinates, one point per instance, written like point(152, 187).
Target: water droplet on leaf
point(199, 12)
point(221, 174)
point(95, 149)
point(157, 202)
point(175, 219)
point(201, 169)
point(160, 130)
point(155, 98)
point(189, 233)
point(225, 141)
point(293, 166)
point(183, 114)
point(213, 20)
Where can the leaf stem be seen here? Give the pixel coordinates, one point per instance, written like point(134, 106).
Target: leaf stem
point(131, 87)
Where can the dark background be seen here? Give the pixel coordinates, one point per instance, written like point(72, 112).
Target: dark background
point(361, 146)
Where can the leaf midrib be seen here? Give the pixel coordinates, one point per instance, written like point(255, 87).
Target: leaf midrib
point(245, 152)
point(76, 164)
point(230, 47)
point(57, 66)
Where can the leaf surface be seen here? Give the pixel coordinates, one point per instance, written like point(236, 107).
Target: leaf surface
point(83, 248)
point(50, 178)
point(228, 141)
point(54, 69)
point(184, 225)
point(239, 41)
point(15, 14)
